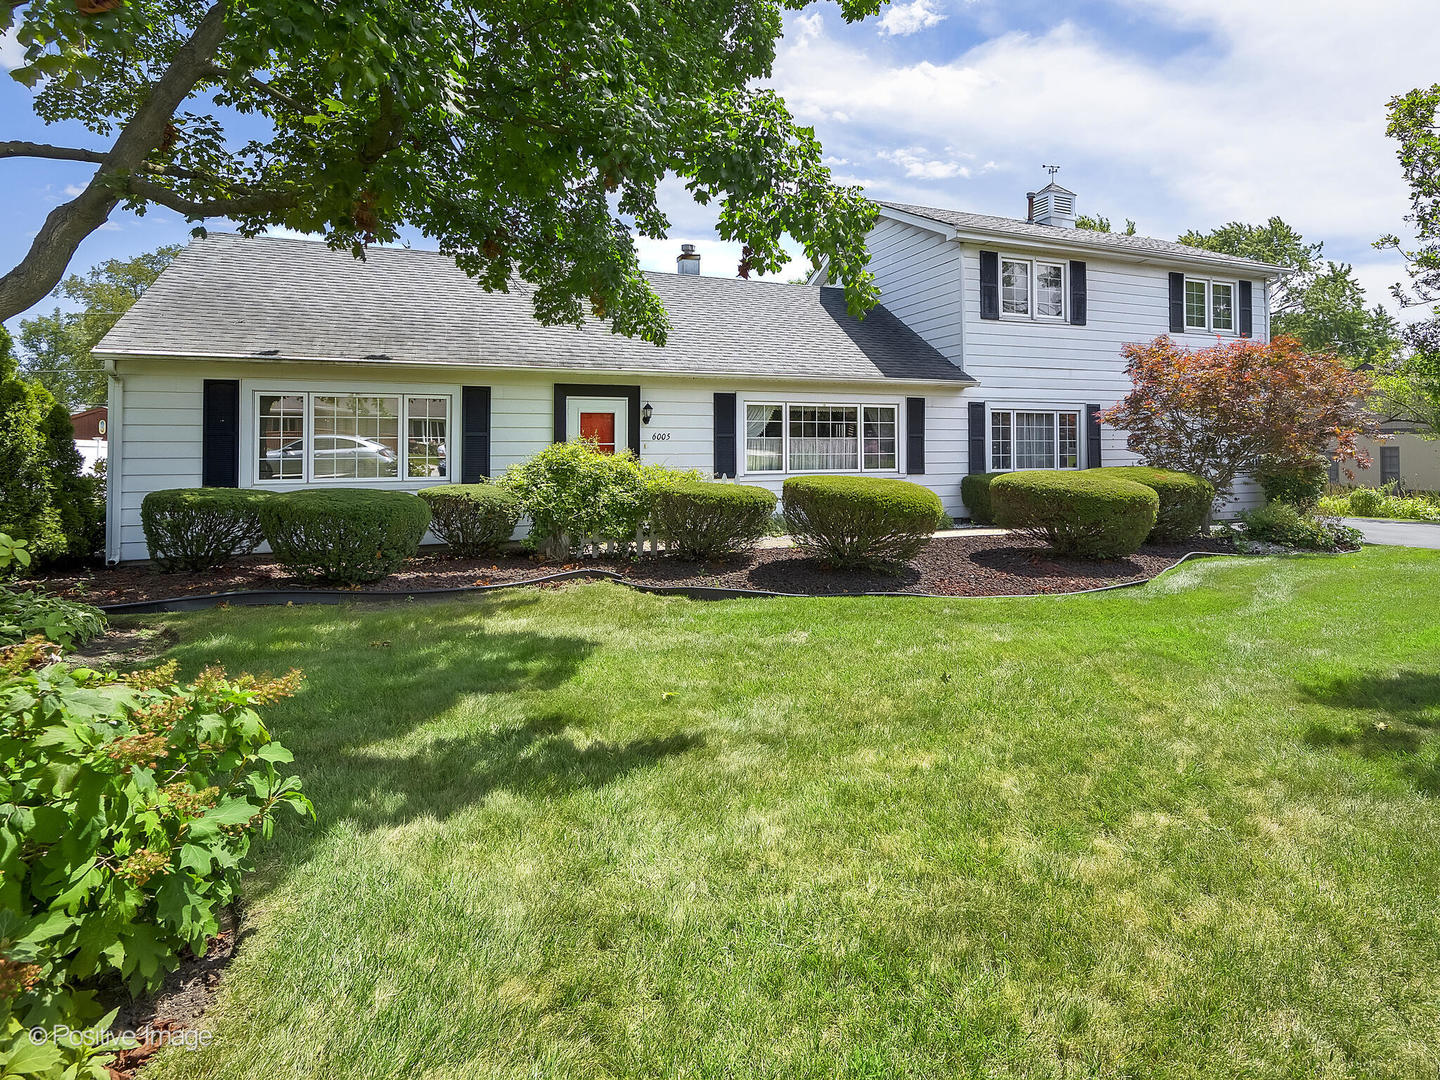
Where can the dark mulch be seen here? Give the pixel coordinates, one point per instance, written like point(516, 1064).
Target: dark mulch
point(177, 1007)
point(951, 566)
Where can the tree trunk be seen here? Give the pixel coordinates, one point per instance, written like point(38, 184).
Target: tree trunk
point(70, 223)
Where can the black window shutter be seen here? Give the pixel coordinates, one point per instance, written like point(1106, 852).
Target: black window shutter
point(1247, 318)
point(220, 433)
point(915, 435)
point(977, 437)
point(1177, 303)
point(1077, 292)
point(474, 434)
point(1092, 436)
point(989, 285)
point(725, 442)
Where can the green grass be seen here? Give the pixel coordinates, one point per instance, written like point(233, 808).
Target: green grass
point(1185, 830)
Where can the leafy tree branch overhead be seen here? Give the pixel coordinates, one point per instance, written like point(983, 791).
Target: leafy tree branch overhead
point(526, 137)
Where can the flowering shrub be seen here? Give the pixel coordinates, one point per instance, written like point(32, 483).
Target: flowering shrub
point(130, 805)
point(571, 492)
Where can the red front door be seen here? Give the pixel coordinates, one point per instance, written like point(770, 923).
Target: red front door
point(599, 426)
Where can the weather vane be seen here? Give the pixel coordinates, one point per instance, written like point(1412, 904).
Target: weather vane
point(1052, 170)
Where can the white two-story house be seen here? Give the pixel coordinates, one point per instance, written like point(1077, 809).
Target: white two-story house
point(278, 363)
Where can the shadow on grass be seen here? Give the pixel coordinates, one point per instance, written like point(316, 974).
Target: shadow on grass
point(1407, 732)
point(535, 758)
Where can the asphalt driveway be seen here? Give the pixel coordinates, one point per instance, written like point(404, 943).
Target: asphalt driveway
point(1417, 534)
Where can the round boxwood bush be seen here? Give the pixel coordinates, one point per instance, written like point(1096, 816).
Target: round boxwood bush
point(472, 519)
point(1076, 513)
point(855, 521)
point(1185, 499)
point(200, 528)
point(348, 536)
point(1299, 485)
point(707, 520)
point(975, 492)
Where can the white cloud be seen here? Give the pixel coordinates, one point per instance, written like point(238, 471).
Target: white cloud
point(11, 54)
point(72, 190)
point(1250, 120)
point(917, 163)
point(900, 20)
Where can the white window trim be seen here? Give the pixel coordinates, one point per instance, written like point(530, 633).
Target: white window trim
point(1033, 315)
point(1209, 327)
point(1056, 411)
point(785, 406)
point(402, 464)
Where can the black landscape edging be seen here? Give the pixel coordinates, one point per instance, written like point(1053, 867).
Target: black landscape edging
point(267, 597)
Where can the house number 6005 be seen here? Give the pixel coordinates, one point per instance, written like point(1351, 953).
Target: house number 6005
point(660, 436)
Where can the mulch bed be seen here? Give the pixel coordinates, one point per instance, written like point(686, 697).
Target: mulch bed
point(949, 566)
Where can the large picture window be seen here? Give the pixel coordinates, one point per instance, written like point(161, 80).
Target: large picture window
point(1034, 440)
point(781, 437)
point(350, 437)
point(1032, 289)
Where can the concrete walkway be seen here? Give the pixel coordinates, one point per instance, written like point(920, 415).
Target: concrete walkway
point(1419, 534)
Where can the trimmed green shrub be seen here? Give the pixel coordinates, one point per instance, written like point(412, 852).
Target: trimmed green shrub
point(706, 520)
point(855, 521)
point(975, 492)
point(132, 803)
point(26, 612)
point(472, 519)
point(348, 536)
point(1076, 513)
point(1294, 526)
point(1185, 499)
point(201, 528)
point(1366, 502)
point(1299, 486)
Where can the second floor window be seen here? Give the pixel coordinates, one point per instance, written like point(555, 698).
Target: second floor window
point(1209, 305)
point(1032, 289)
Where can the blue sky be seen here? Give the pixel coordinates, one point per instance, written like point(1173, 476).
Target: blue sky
point(1176, 113)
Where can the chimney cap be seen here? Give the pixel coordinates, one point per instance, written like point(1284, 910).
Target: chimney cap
point(687, 249)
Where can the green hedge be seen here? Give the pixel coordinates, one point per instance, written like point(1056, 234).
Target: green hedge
point(200, 528)
point(707, 520)
point(853, 521)
point(348, 536)
point(1300, 485)
point(1185, 499)
point(1076, 513)
point(472, 519)
point(975, 492)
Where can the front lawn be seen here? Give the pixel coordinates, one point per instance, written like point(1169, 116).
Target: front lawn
point(1177, 831)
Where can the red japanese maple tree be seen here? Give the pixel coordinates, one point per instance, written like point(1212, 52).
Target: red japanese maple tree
point(1237, 407)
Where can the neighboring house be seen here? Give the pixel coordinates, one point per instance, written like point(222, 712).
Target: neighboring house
point(281, 364)
point(90, 435)
point(1403, 459)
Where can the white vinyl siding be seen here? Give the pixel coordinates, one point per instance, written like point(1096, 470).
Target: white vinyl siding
point(158, 434)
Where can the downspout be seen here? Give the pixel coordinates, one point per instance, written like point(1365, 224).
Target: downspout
point(114, 460)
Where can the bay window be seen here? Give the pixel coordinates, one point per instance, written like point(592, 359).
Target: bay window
point(350, 437)
point(1032, 289)
point(781, 437)
point(1022, 439)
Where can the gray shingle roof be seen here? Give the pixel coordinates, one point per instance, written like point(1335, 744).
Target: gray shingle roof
point(1135, 245)
point(228, 296)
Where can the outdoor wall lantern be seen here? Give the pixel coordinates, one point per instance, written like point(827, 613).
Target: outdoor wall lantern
point(646, 413)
